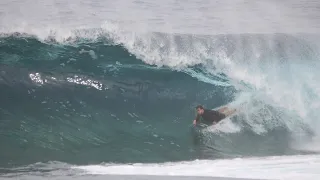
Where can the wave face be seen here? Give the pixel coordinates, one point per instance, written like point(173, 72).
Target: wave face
point(127, 98)
point(94, 102)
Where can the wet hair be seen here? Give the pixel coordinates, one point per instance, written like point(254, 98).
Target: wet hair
point(199, 107)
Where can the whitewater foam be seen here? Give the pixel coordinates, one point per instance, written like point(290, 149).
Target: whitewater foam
point(226, 126)
point(281, 167)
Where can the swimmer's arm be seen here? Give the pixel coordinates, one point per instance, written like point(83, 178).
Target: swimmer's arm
point(196, 120)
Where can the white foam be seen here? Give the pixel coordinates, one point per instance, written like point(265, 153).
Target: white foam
point(281, 167)
point(225, 126)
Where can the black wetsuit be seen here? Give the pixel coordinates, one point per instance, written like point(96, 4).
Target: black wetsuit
point(210, 116)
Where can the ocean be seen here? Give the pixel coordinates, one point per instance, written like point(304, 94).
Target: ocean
point(108, 89)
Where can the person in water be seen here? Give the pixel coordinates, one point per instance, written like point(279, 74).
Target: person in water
point(212, 116)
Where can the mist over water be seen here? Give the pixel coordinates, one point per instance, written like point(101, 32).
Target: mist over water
point(117, 82)
point(192, 17)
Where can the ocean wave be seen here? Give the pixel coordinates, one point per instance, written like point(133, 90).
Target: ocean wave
point(109, 95)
